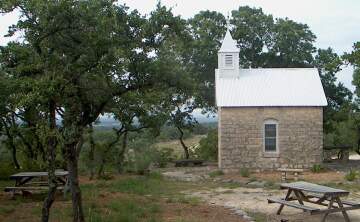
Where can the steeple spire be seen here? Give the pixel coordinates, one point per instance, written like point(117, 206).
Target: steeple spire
point(229, 44)
point(228, 21)
point(228, 55)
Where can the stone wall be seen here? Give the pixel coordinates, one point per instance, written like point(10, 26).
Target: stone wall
point(300, 137)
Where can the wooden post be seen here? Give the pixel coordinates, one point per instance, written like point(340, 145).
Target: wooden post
point(296, 176)
point(329, 207)
point(282, 205)
point(346, 216)
point(283, 176)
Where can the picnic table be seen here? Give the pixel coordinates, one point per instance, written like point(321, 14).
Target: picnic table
point(318, 195)
point(29, 181)
point(286, 171)
point(341, 151)
point(188, 162)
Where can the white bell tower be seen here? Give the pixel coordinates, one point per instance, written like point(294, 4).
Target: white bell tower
point(228, 57)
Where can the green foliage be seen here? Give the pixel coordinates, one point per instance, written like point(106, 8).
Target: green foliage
point(351, 175)
point(141, 155)
point(253, 31)
point(169, 132)
point(354, 59)
point(6, 170)
point(132, 211)
point(287, 34)
point(244, 172)
point(317, 168)
point(216, 173)
point(164, 156)
point(208, 147)
point(338, 96)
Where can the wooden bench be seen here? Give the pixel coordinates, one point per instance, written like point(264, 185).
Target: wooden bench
point(184, 163)
point(345, 202)
point(26, 182)
point(295, 172)
point(342, 152)
point(27, 189)
point(318, 195)
point(292, 204)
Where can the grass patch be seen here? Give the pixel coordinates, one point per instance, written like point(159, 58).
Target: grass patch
point(351, 175)
point(7, 209)
point(153, 184)
point(258, 217)
point(126, 198)
point(216, 173)
point(317, 168)
point(271, 185)
point(184, 199)
point(244, 172)
point(131, 210)
point(233, 185)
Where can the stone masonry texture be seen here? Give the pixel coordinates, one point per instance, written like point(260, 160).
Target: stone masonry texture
point(300, 137)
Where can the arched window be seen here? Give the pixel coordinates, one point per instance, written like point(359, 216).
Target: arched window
point(271, 136)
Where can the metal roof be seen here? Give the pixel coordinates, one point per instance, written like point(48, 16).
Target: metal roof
point(270, 87)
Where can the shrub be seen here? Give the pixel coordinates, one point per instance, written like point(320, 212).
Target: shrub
point(317, 168)
point(6, 170)
point(142, 163)
point(244, 172)
point(352, 175)
point(216, 173)
point(164, 156)
point(208, 147)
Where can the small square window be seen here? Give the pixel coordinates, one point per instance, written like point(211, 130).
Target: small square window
point(228, 60)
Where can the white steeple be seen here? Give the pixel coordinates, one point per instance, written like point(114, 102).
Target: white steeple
point(228, 56)
point(229, 44)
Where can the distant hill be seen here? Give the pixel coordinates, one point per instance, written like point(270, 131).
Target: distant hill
point(109, 122)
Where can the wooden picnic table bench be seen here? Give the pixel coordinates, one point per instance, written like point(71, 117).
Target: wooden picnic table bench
point(285, 171)
point(316, 194)
point(341, 151)
point(24, 181)
point(188, 162)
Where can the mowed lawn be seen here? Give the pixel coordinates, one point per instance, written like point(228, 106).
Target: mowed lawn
point(124, 198)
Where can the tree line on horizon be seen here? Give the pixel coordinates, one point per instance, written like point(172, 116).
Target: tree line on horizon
point(81, 59)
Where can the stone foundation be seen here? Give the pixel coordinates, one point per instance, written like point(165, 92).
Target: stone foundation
point(300, 137)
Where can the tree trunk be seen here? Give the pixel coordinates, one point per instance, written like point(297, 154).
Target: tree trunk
point(14, 156)
point(11, 144)
point(92, 153)
point(72, 152)
point(51, 155)
point(100, 173)
point(122, 152)
point(181, 138)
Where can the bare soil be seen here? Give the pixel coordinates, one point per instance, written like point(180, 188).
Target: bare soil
point(323, 177)
point(255, 200)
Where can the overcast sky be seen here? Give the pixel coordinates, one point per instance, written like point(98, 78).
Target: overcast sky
point(336, 23)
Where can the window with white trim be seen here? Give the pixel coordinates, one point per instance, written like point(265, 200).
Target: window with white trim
point(229, 60)
point(270, 136)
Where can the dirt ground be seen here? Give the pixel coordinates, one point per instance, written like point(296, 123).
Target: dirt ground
point(255, 200)
point(324, 177)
